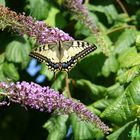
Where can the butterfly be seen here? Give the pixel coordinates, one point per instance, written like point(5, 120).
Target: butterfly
point(62, 55)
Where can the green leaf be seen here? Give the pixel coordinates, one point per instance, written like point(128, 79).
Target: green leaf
point(2, 2)
point(55, 18)
point(45, 71)
point(81, 29)
point(129, 58)
point(117, 87)
point(103, 41)
point(89, 67)
point(120, 111)
point(133, 2)
point(109, 11)
point(135, 131)
point(59, 81)
point(90, 89)
point(110, 65)
point(125, 40)
point(94, 109)
point(57, 127)
point(138, 41)
point(39, 8)
point(18, 52)
point(2, 58)
point(2, 76)
point(125, 76)
point(137, 17)
point(123, 132)
point(109, 95)
point(83, 130)
point(10, 71)
point(102, 103)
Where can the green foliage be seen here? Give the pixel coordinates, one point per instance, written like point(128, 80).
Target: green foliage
point(123, 132)
point(125, 40)
point(107, 80)
point(120, 111)
point(84, 130)
point(38, 8)
point(56, 127)
point(18, 51)
point(2, 2)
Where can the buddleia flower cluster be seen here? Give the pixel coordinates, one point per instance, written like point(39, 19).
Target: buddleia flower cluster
point(46, 99)
point(30, 26)
point(81, 12)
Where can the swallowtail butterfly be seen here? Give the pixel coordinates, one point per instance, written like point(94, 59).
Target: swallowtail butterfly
point(62, 55)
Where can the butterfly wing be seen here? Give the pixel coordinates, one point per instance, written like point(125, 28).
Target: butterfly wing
point(72, 51)
point(62, 55)
point(48, 54)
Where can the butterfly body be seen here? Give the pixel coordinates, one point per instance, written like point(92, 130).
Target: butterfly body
point(62, 55)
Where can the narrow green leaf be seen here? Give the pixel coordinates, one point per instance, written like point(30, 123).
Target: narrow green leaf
point(83, 130)
point(120, 111)
point(57, 127)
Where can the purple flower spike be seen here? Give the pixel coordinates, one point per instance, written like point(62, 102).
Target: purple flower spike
point(81, 12)
point(46, 99)
point(30, 26)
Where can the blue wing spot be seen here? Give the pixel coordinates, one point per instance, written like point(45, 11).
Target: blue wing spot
point(64, 65)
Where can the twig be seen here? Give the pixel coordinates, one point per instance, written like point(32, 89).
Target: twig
point(122, 6)
point(119, 28)
point(67, 87)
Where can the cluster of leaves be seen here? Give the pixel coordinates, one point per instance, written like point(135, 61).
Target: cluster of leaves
point(108, 83)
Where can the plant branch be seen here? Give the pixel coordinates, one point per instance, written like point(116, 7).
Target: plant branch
point(122, 6)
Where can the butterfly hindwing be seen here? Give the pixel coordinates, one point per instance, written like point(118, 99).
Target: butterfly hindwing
point(62, 55)
point(73, 51)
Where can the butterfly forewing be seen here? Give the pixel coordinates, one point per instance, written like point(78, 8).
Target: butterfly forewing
point(62, 55)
